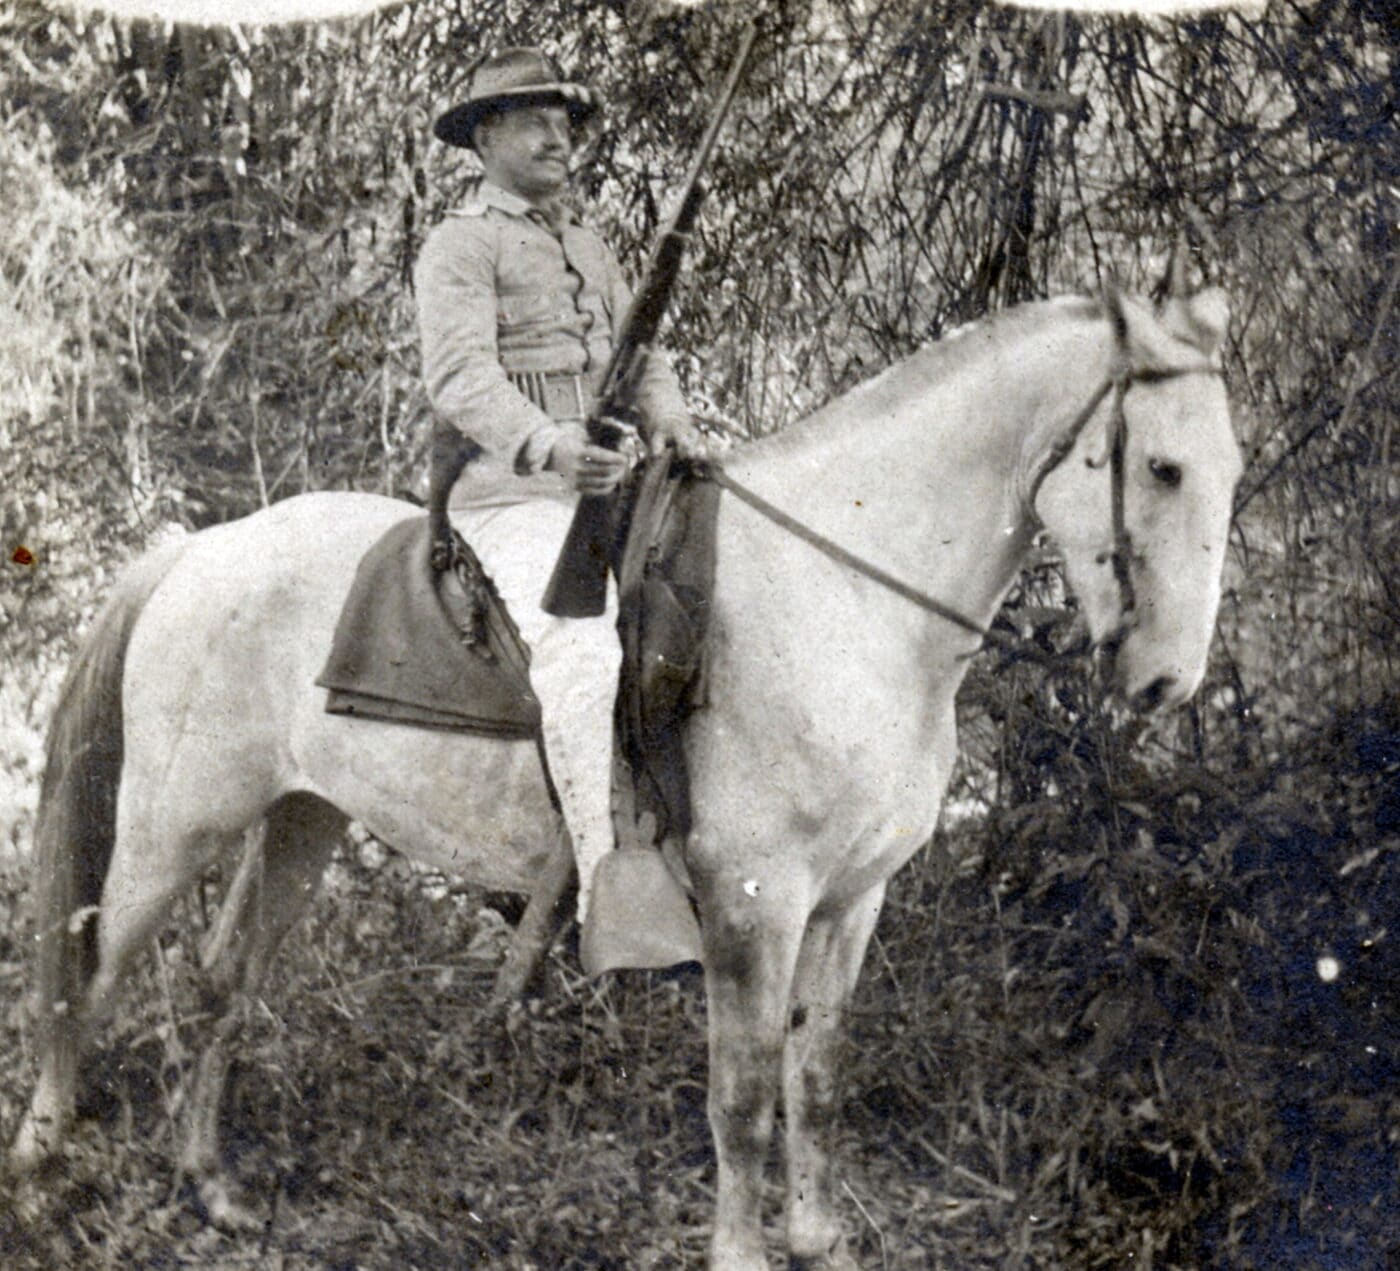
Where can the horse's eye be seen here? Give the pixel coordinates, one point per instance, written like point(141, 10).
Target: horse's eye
point(1165, 471)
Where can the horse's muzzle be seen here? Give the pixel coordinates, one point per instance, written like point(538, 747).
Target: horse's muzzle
point(1158, 692)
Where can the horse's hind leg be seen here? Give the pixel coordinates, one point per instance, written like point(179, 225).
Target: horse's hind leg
point(148, 870)
point(50, 1111)
point(827, 969)
point(551, 902)
point(276, 878)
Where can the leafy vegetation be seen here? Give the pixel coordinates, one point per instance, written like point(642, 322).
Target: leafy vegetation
point(1100, 1027)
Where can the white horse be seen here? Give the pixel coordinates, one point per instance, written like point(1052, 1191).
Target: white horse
point(818, 766)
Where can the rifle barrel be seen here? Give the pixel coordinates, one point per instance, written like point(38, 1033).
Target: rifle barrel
point(721, 111)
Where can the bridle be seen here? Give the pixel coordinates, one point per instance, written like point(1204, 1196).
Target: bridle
point(1122, 554)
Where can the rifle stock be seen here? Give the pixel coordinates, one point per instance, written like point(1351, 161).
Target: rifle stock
point(578, 587)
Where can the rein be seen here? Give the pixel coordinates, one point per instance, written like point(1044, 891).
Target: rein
point(712, 471)
point(1122, 554)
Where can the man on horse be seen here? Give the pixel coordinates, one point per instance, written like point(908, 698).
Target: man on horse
point(519, 304)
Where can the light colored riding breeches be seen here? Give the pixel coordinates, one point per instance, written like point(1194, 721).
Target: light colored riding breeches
point(574, 664)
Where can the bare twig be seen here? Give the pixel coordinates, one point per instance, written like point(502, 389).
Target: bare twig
point(1062, 103)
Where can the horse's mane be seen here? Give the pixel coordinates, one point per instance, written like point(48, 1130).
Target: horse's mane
point(1009, 321)
point(935, 361)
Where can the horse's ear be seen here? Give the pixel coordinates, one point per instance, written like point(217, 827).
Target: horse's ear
point(1200, 320)
point(1176, 270)
point(1147, 336)
point(1210, 311)
point(1172, 285)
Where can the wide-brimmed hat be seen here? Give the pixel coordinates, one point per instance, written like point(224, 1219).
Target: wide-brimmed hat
point(513, 77)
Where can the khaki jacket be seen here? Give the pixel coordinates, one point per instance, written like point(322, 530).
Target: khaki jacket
point(501, 293)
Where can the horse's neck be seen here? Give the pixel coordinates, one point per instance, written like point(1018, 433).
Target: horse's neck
point(920, 471)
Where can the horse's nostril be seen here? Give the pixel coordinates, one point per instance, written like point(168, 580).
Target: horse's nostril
point(1151, 697)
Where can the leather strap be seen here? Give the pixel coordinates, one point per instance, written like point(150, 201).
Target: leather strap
point(713, 471)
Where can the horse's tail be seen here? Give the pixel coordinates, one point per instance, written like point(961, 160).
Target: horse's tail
point(76, 825)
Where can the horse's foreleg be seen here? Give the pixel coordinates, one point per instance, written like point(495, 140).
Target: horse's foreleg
point(751, 935)
point(275, 880)
point(827, 968)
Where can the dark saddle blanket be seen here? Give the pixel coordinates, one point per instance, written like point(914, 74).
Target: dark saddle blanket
point(416, 646)
point(439, 649)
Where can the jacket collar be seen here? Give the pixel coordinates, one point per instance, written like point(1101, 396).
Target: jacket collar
point(488, 194)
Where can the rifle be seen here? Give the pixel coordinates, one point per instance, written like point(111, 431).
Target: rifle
point(578, 586)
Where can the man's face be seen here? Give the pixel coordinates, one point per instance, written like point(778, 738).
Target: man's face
point(526, 150)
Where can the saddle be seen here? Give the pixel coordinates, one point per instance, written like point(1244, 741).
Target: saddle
point(424, 638)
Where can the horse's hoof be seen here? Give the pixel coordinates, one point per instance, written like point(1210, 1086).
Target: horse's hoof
point(837, 1258)
point(33, 1147)
point(225, 1208)
point(23, 1160)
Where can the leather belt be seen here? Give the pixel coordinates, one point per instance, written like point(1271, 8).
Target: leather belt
point(560, 394)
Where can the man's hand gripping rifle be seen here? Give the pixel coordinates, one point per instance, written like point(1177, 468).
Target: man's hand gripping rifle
point(578, 586)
